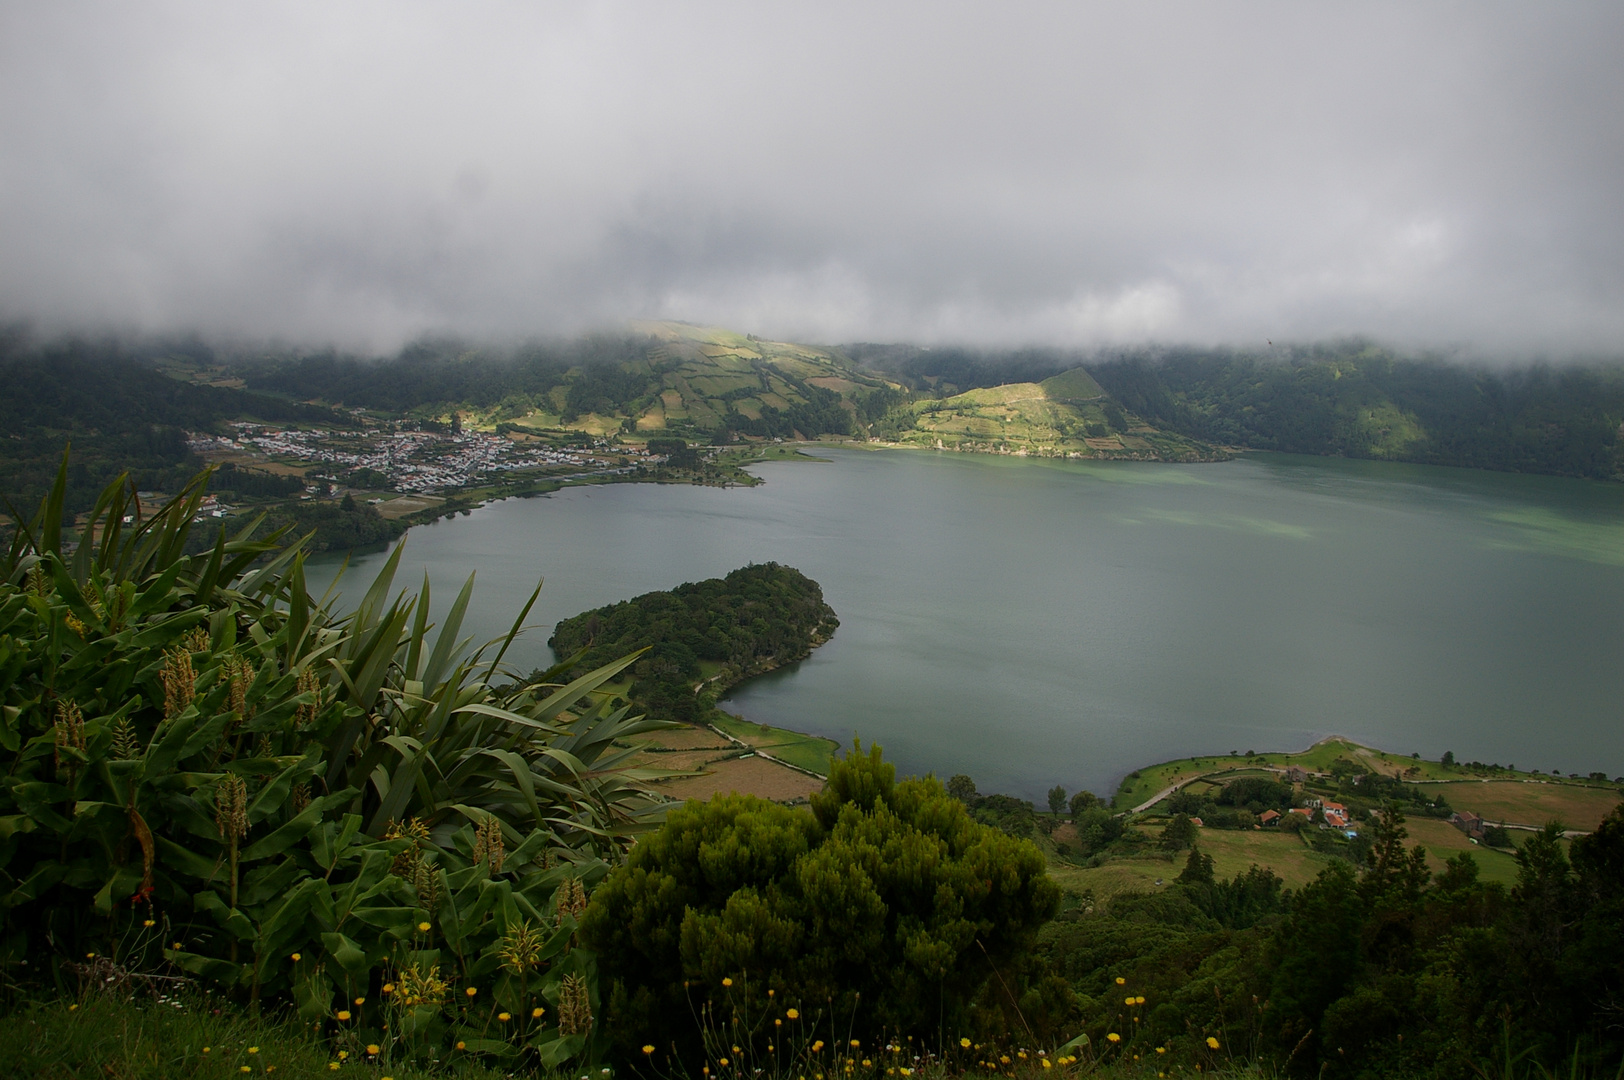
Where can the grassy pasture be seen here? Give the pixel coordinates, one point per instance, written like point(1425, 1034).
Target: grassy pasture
point(1074, 385)
point(1534, 802)
point(805, 751)
point(1235, 851)
point(1317, 758)
point(1232, 852)
point(1443, 841)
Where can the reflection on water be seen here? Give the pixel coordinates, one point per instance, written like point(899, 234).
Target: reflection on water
point(1033, 623)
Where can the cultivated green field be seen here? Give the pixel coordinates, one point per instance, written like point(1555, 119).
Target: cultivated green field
point(1521, 798)
point(1064, 416)
point(1141, 784)
point(808, 752)
point(1232, 852)
point(1534, 802)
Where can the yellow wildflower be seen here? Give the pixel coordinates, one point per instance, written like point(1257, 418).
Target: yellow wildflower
point(389, 988)
point(372, 1048)
point(343, 1014)
point(1212, 1042)
point(1140, 1000)
point(504, 1017)
point(965, 1043)
point(1046, 1064)
point(332, 1066)
point(1114, 1037)
point(535, 1014)
point(253, 1049)
point(245, 1068)
point(1121, 981)
point(361, 1001)
point(1127, 1001)
point(423, 927)
point(816, 1046)
point(856, 1043)
point(461, 1045)
point(793, 1014)
point(724, 1061)
point(150, 922)
point(471, 991)
point(727, 982)
point(296, 956)
point(648, 1048)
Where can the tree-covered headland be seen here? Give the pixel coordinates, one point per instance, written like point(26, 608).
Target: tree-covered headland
point(700, 639)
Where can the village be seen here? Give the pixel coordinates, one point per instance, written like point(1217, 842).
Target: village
point(410, 462)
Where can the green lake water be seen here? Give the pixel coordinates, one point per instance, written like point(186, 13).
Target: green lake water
point(1032, 623)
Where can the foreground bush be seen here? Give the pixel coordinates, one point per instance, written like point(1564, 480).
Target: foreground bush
point(205, 770)
point(883, 910)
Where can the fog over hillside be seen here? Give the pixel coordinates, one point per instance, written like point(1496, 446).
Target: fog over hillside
point(1441, 176)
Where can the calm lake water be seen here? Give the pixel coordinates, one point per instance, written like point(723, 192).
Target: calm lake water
point(1033, 623)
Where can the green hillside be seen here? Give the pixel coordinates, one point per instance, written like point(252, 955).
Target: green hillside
point(1067, 415)
point(1074, 385)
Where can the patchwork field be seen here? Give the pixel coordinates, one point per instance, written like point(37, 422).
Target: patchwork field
point(1581, 798)
point(1518, 798)
point(708, 762)
point(1066, 416)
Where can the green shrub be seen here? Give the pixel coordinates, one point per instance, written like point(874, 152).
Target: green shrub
point(883, 909)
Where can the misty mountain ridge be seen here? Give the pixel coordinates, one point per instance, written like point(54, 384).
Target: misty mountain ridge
point(126, 403)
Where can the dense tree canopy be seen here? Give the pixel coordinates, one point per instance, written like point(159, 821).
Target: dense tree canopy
point(1375, 970)
point(120, 412)
point(756, 618)
point(881, 889)
point(1358, 401)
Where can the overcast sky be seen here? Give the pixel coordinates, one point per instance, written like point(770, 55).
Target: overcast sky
point(1439, 174)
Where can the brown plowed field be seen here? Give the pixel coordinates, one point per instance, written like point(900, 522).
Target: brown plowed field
point(747, 776)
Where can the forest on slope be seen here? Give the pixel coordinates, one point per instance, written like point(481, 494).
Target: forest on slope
point(119, 410)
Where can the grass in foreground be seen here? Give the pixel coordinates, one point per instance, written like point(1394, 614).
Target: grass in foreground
point(192, 1036)
point(203, 1038)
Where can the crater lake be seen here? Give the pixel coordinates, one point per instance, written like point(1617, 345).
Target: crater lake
point(1036, 622)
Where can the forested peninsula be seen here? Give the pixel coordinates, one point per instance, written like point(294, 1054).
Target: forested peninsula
point(702, 638)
